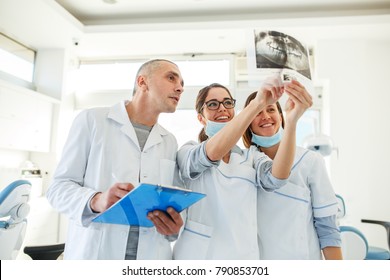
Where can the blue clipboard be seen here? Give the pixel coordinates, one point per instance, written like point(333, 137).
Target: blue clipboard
point(132, 209)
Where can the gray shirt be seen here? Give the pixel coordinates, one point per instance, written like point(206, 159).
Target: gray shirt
point(142, 132)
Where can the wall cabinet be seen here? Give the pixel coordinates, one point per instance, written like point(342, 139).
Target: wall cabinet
point(25, 118)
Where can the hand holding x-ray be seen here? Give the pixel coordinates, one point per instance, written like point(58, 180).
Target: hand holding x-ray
point(299, 100)
point(270, 91)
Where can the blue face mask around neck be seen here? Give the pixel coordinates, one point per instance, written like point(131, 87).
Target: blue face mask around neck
point(213, 127)
point(268, 141)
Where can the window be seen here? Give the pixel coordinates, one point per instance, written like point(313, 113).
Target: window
point(16, 60)
point(106, 76)
point(308, 125)
point(107, 82)
point(113, 75)
point(185, 125)
point(103, 83)
point(205, 72)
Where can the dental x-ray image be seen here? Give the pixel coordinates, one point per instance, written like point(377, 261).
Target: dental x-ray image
point(278, 50)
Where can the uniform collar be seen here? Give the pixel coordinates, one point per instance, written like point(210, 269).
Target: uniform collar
point(237, 150)
point(118, 113)
point(299, 154)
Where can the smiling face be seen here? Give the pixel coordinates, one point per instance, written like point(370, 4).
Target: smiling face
point(221, 114)
point(267, 122)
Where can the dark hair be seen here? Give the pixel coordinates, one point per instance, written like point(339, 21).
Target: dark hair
point(200, 99)
point(247, 137)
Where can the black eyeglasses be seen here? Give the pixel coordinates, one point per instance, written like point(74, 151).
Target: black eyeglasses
point(214, 104)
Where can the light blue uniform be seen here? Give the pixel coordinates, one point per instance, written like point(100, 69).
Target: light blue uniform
point(286, 217)
point(224, 224)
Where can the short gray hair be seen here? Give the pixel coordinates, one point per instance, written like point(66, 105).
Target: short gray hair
point(148, 68)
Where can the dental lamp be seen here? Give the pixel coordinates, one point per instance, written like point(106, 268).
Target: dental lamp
point(320, 143)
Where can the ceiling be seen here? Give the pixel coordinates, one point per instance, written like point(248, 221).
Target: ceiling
point(129, 28)
point(97, 12)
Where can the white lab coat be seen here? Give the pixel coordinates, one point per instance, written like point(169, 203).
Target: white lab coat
point(285, 217)
point(223, 225)
point(102, 148)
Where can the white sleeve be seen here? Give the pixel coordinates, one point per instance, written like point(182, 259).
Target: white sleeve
point(263, 167)
point(323, 197)
point(193, 161)
point(66, 192)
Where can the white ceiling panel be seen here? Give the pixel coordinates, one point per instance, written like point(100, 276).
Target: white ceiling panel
point(132, 28)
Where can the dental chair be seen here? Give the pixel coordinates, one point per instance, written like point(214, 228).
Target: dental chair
point(14, 209)
point(375, 253)
point(354, 244)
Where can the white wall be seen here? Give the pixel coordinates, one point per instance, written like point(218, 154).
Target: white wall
point(53, 67)
point(359, 99)
point(10, 161)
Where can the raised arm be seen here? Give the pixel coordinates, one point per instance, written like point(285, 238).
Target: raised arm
point(298, 102)
point(221, 143)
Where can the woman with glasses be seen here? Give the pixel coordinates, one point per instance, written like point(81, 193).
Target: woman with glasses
point(224, 224)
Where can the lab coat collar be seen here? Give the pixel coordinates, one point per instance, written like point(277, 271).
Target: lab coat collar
point(155, 136)
point(299, 154)
point(119, 114)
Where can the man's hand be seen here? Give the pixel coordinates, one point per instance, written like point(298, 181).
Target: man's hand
point(102, 201)
point(166, 223)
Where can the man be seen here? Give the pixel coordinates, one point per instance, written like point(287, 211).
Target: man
point(109, 151)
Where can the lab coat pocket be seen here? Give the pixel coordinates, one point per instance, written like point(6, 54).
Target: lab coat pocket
point(89, 236)
point(194, 242)
point(167, 170)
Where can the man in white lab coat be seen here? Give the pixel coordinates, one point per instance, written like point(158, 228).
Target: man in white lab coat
point(109, 151)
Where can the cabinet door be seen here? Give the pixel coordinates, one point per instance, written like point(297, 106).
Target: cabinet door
point(25, 120)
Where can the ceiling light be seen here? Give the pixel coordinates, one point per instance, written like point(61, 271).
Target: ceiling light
point(110, 1)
